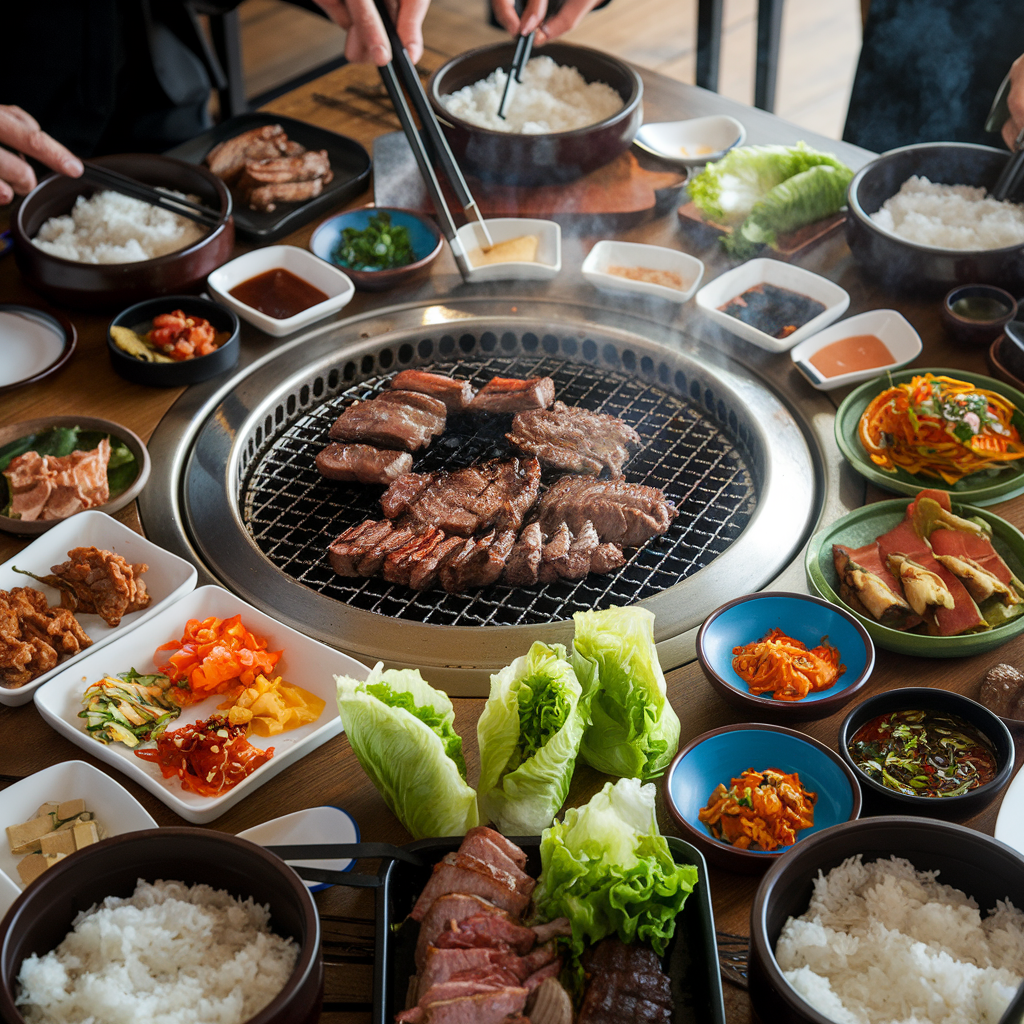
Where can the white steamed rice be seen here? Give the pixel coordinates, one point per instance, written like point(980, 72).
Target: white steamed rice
point(881, 942)
point(550, 98)
point(950, 217)
point(169, 954)
point(112, 228)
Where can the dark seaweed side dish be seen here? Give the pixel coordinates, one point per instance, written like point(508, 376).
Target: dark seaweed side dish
point(773, 310)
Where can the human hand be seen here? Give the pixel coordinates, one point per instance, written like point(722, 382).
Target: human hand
point(1015, 122)
point(367, 42)
point(21, 132)
point(534, 14)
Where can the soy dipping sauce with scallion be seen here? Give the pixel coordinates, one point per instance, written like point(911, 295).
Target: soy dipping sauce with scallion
point(924, 753)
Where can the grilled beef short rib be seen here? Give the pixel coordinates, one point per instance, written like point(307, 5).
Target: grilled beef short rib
point(393, 419)
point(456, 394)
point(510, 394)
point(574, 440)
point(362, 463)
point(625, 982)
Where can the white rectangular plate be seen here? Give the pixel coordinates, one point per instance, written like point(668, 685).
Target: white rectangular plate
point(169, 577)
point(304, 663)
point(115, 808)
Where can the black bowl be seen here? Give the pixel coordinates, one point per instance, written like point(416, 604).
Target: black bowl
point(188, 371)
point(973, 862)
point(112, 286)
point(877, 796)
point(42, 916)
point(970, 330)
point(906, 266)
point(513, 159)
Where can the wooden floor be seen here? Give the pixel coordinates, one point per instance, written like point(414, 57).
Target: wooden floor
point(820, 43)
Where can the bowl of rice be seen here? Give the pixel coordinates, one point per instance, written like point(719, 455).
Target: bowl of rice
point(889, 919)
point(170, 925)
point(575, 110)
point(90, 248)
point(920, 219)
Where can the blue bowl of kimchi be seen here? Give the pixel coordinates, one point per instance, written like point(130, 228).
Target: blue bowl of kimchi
point(717, 757)
point(808, 621)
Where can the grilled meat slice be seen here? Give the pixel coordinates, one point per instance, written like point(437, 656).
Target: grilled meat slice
point(574, 440)
point(362, 463)
point(227, 159)
point(456, 394)
point(524, 561)
point(607, 1002)
point(509, 394)
point(487, 845)
point(355, 543)
point(506, 846)
point(486, 1008)
point(622, 513)
point(494, 930)
point(392, 419)
point(607, 558)
point(535, 980)
point(265, 198)
point(495, 494)
point(279, 170)
point(438, 965)
point(480, 563)
point(460, 873)
point(626, 982)
point(400, 562)
point(424, 574)
point(611, 954)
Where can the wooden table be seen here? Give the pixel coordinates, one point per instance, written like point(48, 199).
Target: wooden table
point(331, 774)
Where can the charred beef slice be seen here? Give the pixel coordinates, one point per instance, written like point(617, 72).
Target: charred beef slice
point(362, 463)
point(456, 394)
point(509, 394)
point(392, 419)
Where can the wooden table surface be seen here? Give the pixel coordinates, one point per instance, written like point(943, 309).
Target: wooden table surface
point(344, 101)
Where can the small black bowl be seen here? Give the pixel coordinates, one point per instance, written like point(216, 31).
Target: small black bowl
point(925, 698)
point(188, 371)
point(1000, 308)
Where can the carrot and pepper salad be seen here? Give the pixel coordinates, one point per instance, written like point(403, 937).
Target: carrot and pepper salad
point(784, 667)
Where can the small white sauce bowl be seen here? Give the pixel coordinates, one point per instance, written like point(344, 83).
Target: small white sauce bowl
point(503, 229)
point(735, 282)
point(635, 254)
point(329, 279)
point(890, 327)
point(680, 142)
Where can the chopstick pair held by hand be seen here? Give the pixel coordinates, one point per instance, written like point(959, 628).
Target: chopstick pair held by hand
point(21, 132)
point(367, 40)
point(547, 18)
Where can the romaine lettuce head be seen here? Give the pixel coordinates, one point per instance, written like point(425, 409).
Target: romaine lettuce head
point(728, 189)
point(529, 735)
point(634, 732)
point(609, 870)
point(401, 730)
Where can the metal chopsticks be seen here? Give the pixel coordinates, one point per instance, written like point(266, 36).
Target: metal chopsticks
point(524, 44)
point(401, 69)
point(155, 197)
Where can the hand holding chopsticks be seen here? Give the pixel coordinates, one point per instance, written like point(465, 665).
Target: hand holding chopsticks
point(155, 197)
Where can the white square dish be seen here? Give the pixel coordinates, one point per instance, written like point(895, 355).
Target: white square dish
point(890, 327)
point(735, 282)
point(504, 229)
point(335, 284)
point(115, 808)
point(608, 253)
point(305, 663)
point(169, 578)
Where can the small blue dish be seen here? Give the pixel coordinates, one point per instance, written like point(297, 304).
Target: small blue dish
point(801, 617)
point(424, 236)
point(723, 754)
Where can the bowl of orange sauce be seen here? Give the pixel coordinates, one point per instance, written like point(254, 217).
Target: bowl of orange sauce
point(857, 349)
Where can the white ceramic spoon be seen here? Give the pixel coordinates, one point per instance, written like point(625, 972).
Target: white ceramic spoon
point(690, 143)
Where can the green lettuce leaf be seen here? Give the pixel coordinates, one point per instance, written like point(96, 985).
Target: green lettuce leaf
point(529, 735)
point(634, 732)
point(609, 870)
point(402, 732)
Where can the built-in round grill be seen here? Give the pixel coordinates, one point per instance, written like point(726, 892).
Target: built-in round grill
point(722, 447)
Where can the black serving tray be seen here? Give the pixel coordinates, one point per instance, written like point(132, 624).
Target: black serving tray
point(349, 161)
point(691, 960)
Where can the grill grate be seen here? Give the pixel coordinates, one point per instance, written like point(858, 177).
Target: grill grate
point(292, 513)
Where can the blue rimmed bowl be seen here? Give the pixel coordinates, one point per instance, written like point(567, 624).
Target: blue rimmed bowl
point(801, 617)
point(723, 754)
point(424, 236)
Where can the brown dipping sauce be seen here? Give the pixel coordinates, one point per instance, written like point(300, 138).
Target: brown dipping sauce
point(278, 293)
point(848, 355)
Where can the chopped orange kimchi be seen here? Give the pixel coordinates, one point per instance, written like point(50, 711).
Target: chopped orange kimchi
point(762, 810)
point(784, 667)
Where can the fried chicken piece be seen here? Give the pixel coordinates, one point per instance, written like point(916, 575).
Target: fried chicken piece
point(34, 637)
point(102, 582)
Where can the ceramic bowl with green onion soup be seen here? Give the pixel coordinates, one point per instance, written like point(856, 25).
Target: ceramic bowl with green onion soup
point(919, 750)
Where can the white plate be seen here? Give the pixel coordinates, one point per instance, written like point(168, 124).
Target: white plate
point(169, 577)
point(305, 663)
point(313, 825)
point(1010, 821)
point(115, 808)
point(608, 253)
point(691, 143)
point(503, 229)
point(335, 284)
point(890, 327)
point(783, 275)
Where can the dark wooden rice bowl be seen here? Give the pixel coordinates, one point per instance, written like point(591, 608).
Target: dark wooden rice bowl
point(905, 266)
point(111, 286)
point(512, 159)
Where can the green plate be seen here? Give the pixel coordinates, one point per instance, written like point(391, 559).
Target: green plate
point(978, 488)
point(863, 526)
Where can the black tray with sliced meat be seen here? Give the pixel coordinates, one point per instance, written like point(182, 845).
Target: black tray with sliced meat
point(691, 961)
point(350, 166)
